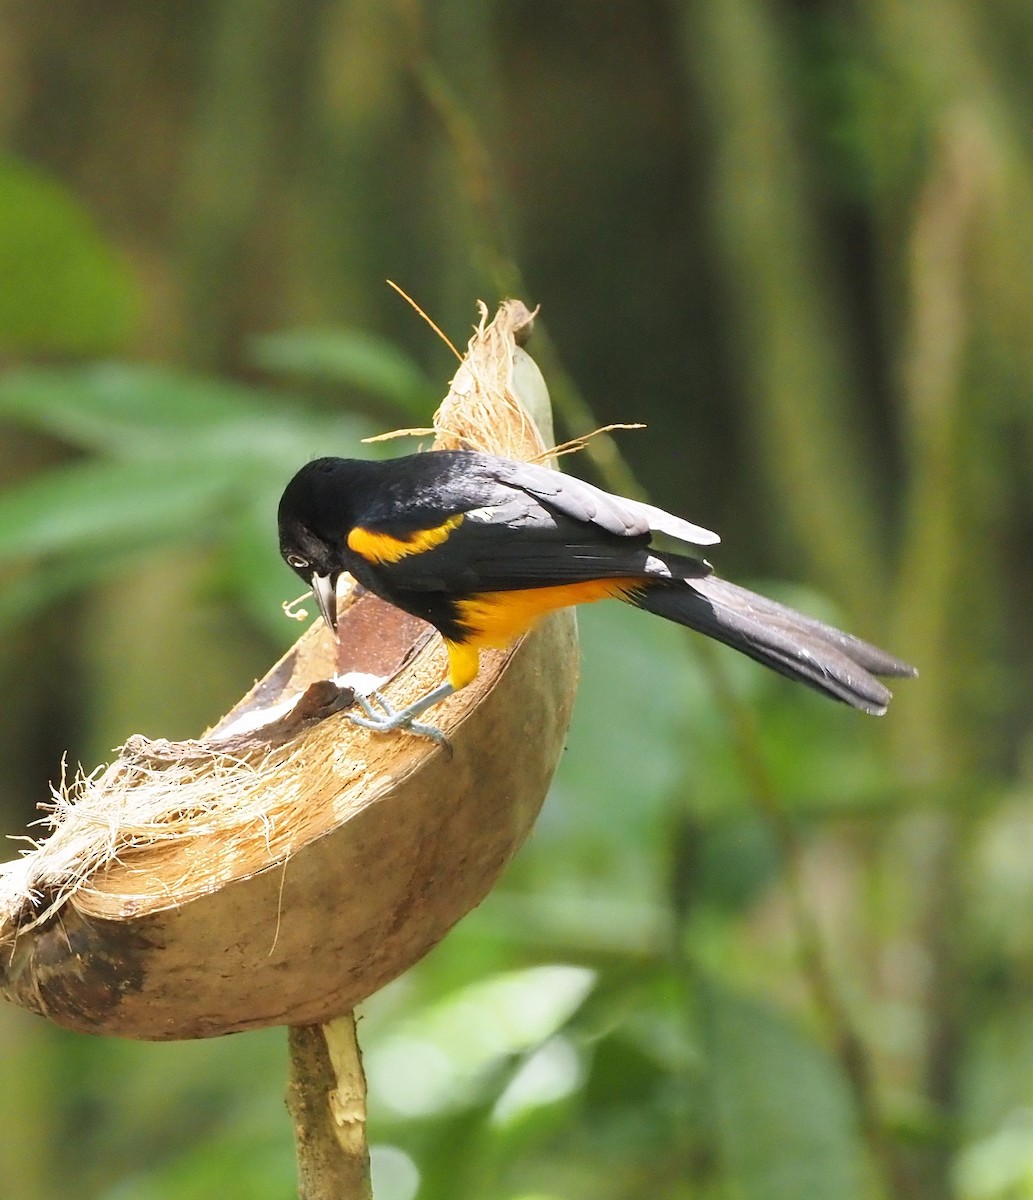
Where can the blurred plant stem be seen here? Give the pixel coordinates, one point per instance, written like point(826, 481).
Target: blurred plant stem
point(785, 316)
point(834, 518)
point(934, 431)
point(475, 179)
point(815, 966)
point(932, 738)
point(225, 169)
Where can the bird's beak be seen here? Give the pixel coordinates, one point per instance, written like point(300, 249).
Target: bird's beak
point(324, 588)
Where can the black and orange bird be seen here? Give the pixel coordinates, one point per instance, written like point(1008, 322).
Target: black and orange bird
point(482, 547)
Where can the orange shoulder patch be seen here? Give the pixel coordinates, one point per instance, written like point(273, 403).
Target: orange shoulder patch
point(389, 547)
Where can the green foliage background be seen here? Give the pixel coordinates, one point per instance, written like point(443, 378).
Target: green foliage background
point(759, 947)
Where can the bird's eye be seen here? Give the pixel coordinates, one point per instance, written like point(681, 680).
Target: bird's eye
point(297, 562)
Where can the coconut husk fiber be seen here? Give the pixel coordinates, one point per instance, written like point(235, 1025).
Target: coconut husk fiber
point(288, 864)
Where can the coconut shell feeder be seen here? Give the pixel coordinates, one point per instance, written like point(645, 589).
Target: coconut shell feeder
point(288, 864)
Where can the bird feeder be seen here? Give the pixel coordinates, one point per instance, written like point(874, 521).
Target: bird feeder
point(286, 865)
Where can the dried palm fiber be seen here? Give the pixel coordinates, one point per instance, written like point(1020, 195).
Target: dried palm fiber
point(289, 864)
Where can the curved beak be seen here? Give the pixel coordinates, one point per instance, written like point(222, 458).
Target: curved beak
point(324, 588)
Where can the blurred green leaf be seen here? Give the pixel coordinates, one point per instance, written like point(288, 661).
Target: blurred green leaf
point(138, 411)
point(1000, 1166)
point(437, 1060)
point(64, 289)
point(548, 1075)
point(353, 357)
point(783, 1112)
point(627, 736)
point(188, 451)
point(108, 505)
point(46, 584)
point(623, 1077)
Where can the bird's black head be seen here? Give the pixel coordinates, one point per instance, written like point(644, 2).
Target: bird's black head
point(317, 509)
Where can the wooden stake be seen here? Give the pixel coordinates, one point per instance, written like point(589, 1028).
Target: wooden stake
point(326, 1097)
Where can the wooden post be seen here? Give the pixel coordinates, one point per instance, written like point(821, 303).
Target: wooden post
point(326, 1097)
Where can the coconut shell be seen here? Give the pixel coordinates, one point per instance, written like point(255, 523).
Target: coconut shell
point(289, 864)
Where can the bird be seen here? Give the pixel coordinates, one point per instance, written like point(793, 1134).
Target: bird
point(482, 547)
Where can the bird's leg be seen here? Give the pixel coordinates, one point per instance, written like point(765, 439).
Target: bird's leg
point(463, 662)
point(403, 718)
point(367, 695)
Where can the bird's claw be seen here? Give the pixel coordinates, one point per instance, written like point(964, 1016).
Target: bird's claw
point(366, 704)
point(391, 719)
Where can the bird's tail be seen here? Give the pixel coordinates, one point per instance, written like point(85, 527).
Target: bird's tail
point(834, 663)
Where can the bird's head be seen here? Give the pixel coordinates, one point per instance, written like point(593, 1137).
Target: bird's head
point(314, 518)
point(315, 563)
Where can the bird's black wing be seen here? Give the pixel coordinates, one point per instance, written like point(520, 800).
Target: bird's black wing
point(584, 502)
point(488, 524)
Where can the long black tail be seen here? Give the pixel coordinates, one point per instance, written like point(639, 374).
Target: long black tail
point(824, 658)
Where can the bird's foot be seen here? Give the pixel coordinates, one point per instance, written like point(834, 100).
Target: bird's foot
point(391, 718)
